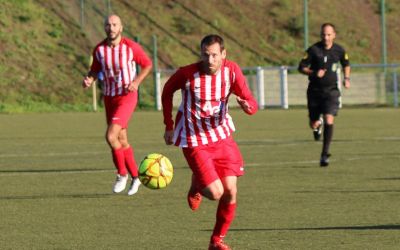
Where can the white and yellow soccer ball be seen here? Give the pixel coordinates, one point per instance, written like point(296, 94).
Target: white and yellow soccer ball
point(156, 171)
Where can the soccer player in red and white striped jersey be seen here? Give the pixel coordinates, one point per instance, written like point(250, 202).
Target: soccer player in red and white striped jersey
point(203, 129)
point(116, 57)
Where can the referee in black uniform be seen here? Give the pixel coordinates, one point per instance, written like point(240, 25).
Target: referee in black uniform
point(321, 63)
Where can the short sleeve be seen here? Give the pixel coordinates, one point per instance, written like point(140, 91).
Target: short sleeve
point(344, 59)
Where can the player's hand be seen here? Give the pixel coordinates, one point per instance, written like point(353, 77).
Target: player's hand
point(346, 83)
point(87, 81)
point(132, 86)
point(244, 104)
point(168, 137)
point(321, 73)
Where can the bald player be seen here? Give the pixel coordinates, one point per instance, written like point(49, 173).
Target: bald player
point(116, 58)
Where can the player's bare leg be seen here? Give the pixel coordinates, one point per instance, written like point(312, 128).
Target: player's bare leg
point(129, 161)
point(225, 213)
point(123, 138)
point(214, 190)
point(112, 137)
point(328, 134)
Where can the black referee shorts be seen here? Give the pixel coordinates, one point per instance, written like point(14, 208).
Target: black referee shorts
point(319, 102)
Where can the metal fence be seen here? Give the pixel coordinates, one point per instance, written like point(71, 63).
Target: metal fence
point(371, 85)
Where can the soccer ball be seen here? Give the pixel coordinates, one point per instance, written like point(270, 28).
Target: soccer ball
point(155, 171)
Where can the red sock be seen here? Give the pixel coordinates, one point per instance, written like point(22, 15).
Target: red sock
point(119, 161)
point(130, 161)
point(225, 215)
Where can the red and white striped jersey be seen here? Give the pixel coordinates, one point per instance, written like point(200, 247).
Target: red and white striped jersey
point(203, 117)
point(118, 65)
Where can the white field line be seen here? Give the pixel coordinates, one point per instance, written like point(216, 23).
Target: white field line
point(272, 142)
point(377, 157)
point(51, 154)
point(55, 172)
point(91, 171)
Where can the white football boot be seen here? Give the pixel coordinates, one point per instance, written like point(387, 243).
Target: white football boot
point(134, 186)
point(120, 183)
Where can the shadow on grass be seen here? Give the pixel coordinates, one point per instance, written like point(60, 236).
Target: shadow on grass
point(58, 196)
point(51, 170)
point(272, 142)
point(348, 191)
point(371, 227)
point(388, 179)
point(309, 166)
point(48, 171)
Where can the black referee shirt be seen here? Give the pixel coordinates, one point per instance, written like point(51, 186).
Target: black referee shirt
point(317, 57)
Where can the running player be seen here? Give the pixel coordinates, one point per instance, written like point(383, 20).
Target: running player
point(116, 57)
point(321, 63)
point(203, 129)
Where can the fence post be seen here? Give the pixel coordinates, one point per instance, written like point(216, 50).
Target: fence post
point(108, 7)
point(82, 17)
point(395, 90)
point(284, 87)
point(155, 71)
point(305, 10)
point(94, 95)
point(260, 87)
point(158, 90)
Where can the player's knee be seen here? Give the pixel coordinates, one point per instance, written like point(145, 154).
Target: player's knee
point(111, 138)
point(124, 143)
point(230, 192)
point(214, 194)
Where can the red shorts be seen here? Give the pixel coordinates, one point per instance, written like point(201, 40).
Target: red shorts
point(119, 109)
point(215, 161)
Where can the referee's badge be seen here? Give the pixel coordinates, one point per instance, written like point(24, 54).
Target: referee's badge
point(346, 56)
point(334, 67)
point(305, 56)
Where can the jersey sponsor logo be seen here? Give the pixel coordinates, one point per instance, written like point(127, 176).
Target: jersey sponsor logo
point(210, 108)
point(115, 118)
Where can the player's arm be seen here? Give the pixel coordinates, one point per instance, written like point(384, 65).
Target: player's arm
point(243, 94)
point(304, 65)
point(141, 58)
point(94, 70)
point(139, 79)
point(344, 61)
point(175, 82)
point(89, 79)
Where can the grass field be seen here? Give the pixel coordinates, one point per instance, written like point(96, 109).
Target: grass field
point(56, 179)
